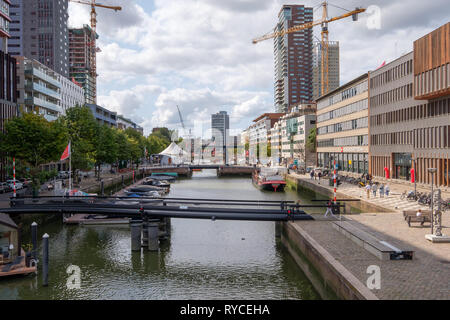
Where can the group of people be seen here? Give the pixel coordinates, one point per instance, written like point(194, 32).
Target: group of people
point(384, 190)
point(313, 174)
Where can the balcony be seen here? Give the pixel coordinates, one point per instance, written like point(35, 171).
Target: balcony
point(41, 75)
point(42, 89)
point(42, 103)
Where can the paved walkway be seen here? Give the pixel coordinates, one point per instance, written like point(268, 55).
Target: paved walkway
point(391, 203)
point(427, 276)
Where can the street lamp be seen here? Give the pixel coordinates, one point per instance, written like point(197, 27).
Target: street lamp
point(432, 171)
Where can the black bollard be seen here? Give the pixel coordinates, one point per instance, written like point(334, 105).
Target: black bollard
point(123, 184)
point(45, 260)
point(102, 187)
point(34, 239)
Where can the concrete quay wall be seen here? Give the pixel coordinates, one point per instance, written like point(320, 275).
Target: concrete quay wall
point(329, 277)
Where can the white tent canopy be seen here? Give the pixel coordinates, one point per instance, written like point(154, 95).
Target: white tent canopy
point(175, 152)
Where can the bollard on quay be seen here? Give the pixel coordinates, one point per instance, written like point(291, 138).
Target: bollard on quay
point(102, 188)
point(136, 226)
point(34, 239)
point(153, 234)
point(45, 260)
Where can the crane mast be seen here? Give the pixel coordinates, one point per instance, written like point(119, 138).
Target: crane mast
point(323, 22)
point(93, 4)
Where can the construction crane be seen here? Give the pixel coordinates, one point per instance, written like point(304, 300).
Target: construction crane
point(181, 118)
point(93, 4)
point(324, 42)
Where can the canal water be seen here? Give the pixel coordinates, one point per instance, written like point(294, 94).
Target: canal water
point(202, 260)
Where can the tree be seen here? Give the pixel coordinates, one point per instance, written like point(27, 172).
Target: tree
point(156, 144)
point(82, 128)
point(106, 148)
point(311, 140)
point(34, 141)
point(138, 144)
point(123, 146)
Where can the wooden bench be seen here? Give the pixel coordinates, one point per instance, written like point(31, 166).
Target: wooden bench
point(411, 216)
point(381, 249)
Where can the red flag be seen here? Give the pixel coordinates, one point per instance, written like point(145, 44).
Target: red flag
point(382, 65)
point(66, 153)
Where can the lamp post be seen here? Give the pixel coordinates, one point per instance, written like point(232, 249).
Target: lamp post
point(432, 171)
point(415, 183)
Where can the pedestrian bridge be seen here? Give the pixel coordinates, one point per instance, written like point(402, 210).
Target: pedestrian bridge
point(156, 208)
point(186, 170)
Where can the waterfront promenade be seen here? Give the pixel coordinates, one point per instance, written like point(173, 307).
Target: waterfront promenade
point(427, 276)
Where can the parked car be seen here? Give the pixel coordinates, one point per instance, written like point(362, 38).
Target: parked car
point(19, 184)
point(4, 187)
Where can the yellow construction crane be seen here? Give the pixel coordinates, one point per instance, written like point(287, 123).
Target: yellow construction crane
point(93, 4)
point(324, 43)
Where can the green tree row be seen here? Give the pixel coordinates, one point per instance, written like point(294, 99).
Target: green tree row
point(34, 141)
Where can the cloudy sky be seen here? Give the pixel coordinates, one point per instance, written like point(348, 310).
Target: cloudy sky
point(198, 54)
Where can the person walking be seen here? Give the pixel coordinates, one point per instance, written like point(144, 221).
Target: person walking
point(319, 175)
point(382, 191)
point(329, 209)
point(387, 190)
point(374, 190)
point(368, 190)
point(311, 173)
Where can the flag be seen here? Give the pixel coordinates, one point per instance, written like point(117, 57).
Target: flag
point(66, 153)
point(382, 65)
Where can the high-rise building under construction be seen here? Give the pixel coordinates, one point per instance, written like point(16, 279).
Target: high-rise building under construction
point(82, 59)
point(333, 68)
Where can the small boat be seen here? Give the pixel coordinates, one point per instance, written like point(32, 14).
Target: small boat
point(163, 177)
point(137, 194)
point(196, 169)
point(172, 174)
point(270, 179)
point(157, 183)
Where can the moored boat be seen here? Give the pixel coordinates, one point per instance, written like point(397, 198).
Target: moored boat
point(270, 179)
point(172, 174)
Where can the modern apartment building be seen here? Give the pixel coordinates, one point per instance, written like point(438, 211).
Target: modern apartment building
point(295, 127)
point(39, 89)
point(432, 89)
point(82, 60)
point(293, 59)
point(342, 127)
point(259, 137)
point(39, 31)
point(5, 22)
point(72, 94)
point(103, 115)
point(8, 99)
point(410, 112)
point(124, 123)
point(333, 68)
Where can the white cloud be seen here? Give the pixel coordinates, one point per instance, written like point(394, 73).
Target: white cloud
point(198, 53)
